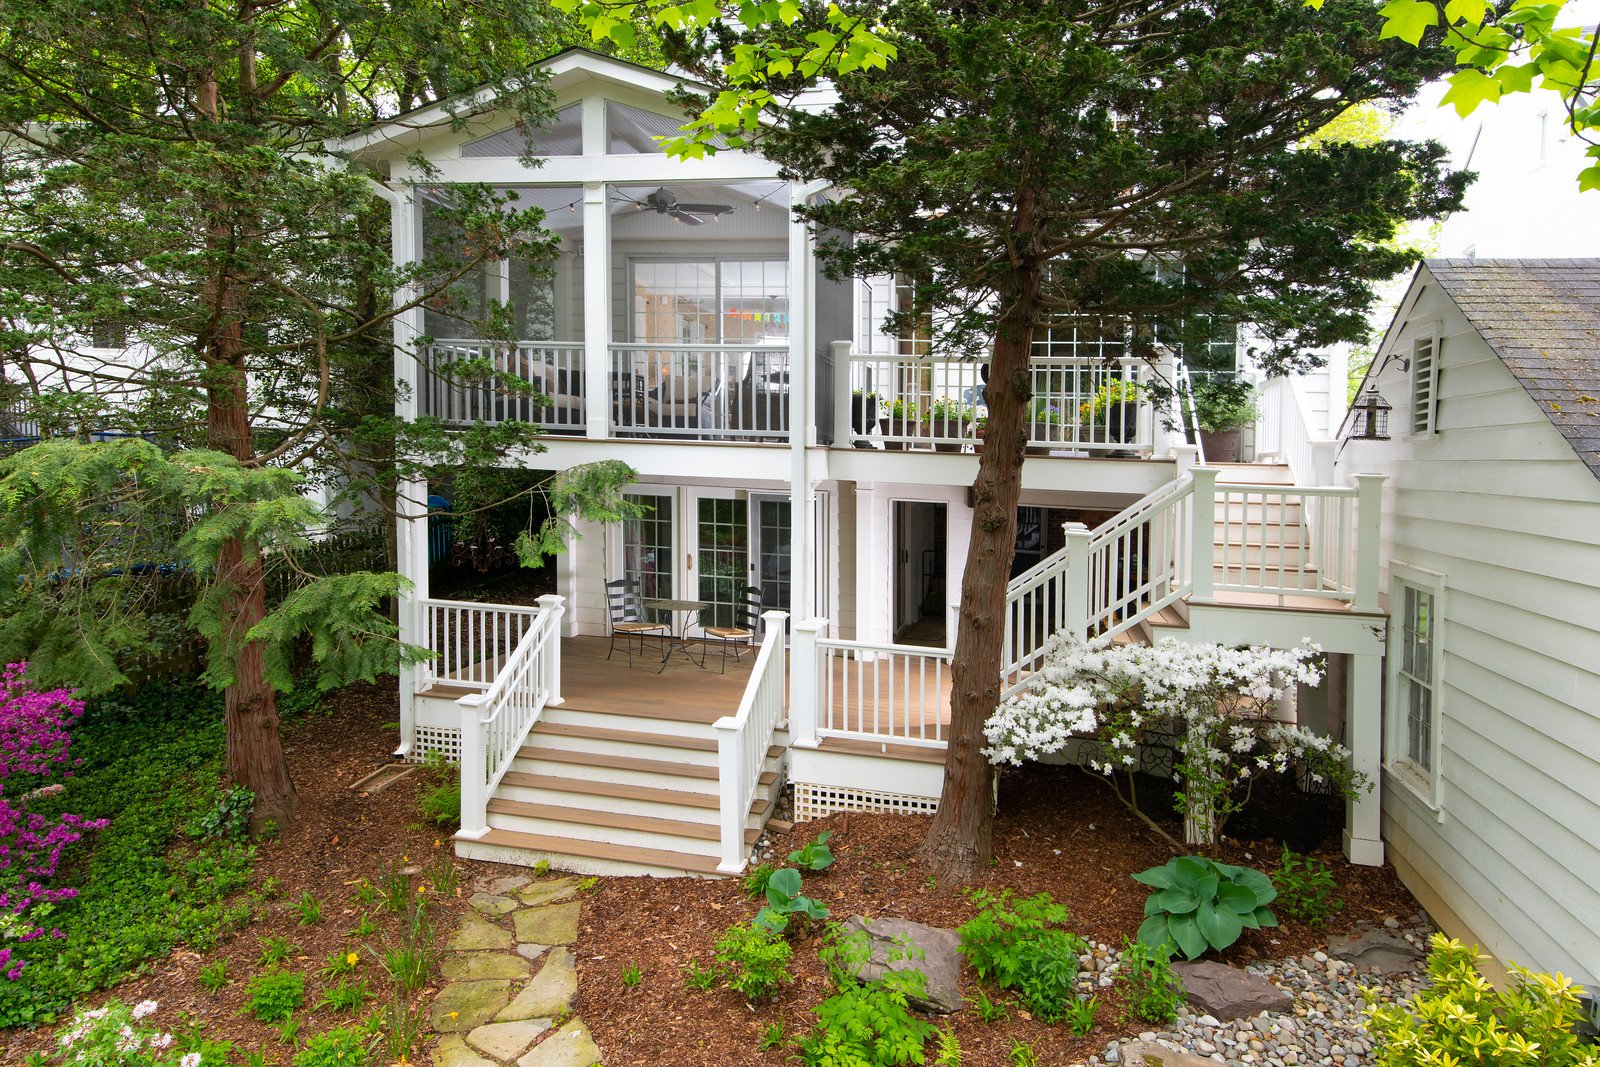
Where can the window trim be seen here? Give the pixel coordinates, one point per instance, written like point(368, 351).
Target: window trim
point(1425, 783)
point(1429, 337)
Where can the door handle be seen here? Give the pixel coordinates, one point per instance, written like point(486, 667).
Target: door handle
point(690, 564)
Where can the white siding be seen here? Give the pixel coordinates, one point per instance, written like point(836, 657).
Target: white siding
point(1500, 505)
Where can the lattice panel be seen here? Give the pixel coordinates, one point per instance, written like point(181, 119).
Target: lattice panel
point(445, 740)
point(819, 801)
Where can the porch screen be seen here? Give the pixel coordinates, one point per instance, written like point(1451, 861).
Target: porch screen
point(733, 301)
point(647, 546)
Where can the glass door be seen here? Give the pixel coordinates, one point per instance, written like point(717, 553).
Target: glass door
point(647, 553)
point(719, 566)
point(769, 551)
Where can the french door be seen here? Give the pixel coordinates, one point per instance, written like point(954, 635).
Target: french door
point(717, 570)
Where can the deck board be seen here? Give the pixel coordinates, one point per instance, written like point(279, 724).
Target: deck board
point(683, 692)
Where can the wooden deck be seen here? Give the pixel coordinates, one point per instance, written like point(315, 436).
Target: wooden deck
point(682, 692)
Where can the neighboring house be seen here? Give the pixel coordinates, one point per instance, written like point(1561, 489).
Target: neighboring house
point(1491, 557)
point(687, 330)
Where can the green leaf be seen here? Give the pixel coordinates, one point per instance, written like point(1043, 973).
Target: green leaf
point(1176, 900)
point(1191, 942)
point(1589, 178)
point(1239, 899)
point(1468, 11)
point(1220, 926)
point(1407, 20)
point(1188, 870)
point(783, 886)
point(1470, 87)
point(1264, 917)
point(1516, 79)
point(1154, 932)
point(1259, 884)
point(1159, 877)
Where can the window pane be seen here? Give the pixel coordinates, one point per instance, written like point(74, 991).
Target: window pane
point(647, 547)
point(724, 559)
point(755, 301)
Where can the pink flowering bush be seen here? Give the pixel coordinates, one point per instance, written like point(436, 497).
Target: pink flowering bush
point(35, 744)
point(117, 1036)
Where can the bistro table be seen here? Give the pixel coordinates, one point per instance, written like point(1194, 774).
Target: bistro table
point(677, 636)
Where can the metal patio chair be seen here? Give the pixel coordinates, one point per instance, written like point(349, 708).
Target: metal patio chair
point(625, 610)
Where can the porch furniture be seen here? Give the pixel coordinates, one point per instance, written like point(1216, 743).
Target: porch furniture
point(626, 611)
point(560, 401)
point(742, 630)
point(677, 636)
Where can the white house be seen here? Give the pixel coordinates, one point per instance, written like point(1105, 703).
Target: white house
point(688, 331)
point(1491, 565)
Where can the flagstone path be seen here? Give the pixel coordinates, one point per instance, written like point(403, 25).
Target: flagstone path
point(510, 978)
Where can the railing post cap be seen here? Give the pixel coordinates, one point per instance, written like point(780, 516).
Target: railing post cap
point(551, 600)
point(815, 624)
point(774, 615)
point(472, 700)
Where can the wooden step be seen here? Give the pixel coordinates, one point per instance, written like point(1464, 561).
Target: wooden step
point(615, 820)
point(440, 691)
point(599, 850)
point(862, 747)
point(629, 763)
point(637, 737)
point(666, 712)
point(619, 791)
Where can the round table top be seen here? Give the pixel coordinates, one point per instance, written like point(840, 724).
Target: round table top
point(677, 605)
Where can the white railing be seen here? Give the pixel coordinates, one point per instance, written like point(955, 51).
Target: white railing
point(494, 724)
point(1184, 415)
point(452, 386)
point(1286, 540)
point(1141, 560)
point(744, 737)
point(701, 392)
point(883, 693)
point(1283, 431)
point(927, 403)
point(469, 641)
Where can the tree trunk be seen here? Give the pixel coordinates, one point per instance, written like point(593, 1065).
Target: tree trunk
point(959, 843)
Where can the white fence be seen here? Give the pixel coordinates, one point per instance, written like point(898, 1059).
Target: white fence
point(494, 724)
point(472, 381)
point(882, 693)
point(469, 640)
point(744, 737)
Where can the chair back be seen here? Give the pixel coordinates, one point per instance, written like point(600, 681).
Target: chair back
point(624, 603)
point(750, 608)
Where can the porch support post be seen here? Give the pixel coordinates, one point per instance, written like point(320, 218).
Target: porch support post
point(411, 501)
point(1077, 593)
point(802, 562)
point(843, 392)
point(805, 683)
point(1363, 834)
point(1324, 453)
point(1369, 529)
point(556, 606)
point(1203, 536)
point(474, 761)
point(596, 311)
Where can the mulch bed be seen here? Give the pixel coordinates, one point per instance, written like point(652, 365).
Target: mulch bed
point(1058, 832)
point(340, 838)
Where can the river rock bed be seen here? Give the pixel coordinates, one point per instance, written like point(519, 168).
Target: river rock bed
point(1324, 1028)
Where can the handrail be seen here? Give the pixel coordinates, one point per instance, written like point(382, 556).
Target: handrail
point(744, 737)
point(468, 639)
point(1182, 397)
point(899, 687)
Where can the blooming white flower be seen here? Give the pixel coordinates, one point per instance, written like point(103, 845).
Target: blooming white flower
point(144, 1008)
point(190, 1059)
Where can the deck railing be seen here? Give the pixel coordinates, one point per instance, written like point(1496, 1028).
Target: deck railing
point(1284, 432)
point(1286, 540)
point(929, 403)
point(744, 737)
point(470, 641)
point(452, 386)
point(724, 392)
point(495, 723)
point(883, 693)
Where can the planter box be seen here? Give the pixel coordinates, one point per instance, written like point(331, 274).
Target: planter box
point(1222, 446)
point(900, 428)
point(950, 429)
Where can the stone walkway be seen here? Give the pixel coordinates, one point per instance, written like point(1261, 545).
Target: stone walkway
point(510, 978)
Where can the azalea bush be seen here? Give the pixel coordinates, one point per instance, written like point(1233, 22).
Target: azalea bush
point(35, 744)
point(1211, 704)
point(116, 1035)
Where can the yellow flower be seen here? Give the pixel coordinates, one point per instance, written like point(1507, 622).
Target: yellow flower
point(353, 958)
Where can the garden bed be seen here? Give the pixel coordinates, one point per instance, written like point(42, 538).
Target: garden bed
point(1058, 832)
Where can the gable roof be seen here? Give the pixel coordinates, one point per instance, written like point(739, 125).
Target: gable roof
point(1542, 318)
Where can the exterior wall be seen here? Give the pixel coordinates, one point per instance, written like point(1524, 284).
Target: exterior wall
point(1499, 505)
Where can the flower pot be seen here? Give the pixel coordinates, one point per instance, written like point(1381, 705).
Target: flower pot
point(978, 434)
point(1221, 446)
point(1122, 421)
point(896, 427)
point(1042, 437)
point(950, 428)
point(863, 413)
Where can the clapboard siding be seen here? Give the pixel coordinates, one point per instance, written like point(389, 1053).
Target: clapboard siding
point(1499, 504)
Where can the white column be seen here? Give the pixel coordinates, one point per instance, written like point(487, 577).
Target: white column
point(1369, 529)
point(1077, 592)
point(474, 761)
point(557, 607)
point(802, 589)
point(1363, 834)
point(596, 309)
point(842, 392)
point(1338, 372)
point(1203, 536)
point(806, 683)
point(411, 503)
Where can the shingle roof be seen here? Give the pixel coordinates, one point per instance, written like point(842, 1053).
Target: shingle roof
point(1542, 318)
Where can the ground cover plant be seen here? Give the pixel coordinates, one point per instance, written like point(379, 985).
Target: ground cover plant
point(1305, 888)
point(1199, 905)
point(1022, 945)
point(864, 1024)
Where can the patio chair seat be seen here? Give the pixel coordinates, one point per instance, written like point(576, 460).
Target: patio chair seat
point(729, 632)
point(637, 627)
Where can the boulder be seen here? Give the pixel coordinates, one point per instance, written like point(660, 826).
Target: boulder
point(1380, 950)
point(1155, 1054)
point(933, 951)
point(1229, 993)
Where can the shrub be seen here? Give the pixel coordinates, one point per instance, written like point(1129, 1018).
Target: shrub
point(115, 1036)
point(1200, 904)
point(755, 882)
point(1305, 888)
point(1153, 991)
point(227, 819)
point(441, 801)
point(214, 975)
point(754, 961)
point(348, 996)
point(1461, 1019)
point(1079, 1014)
point(310, 909)
point(337, 1048)
point(864, 1024)
point(273, 996)
point(1020, 945)
point(275, 950)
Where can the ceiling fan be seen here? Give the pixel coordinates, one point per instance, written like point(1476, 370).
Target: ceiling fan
point(665, 203)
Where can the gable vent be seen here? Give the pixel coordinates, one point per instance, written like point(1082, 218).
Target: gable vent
point(1425, 384)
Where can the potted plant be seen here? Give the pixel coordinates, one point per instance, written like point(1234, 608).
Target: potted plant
point(1112, 413)
point(947, 423)
point(899, 420)
point(1221, 408)
point(1044, 418)
point(863, 411)
point(980, 430)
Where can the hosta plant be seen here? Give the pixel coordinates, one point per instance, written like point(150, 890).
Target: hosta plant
point(1201, 905)
point(784, 900)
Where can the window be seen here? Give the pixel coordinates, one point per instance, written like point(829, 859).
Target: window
point(1425, 383)
point(647, 546)
point(1414, 670)
point(711, 301)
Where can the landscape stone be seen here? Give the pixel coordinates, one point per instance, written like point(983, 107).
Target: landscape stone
point(492, 905)
point(1380, 950)
point(476, 935)
point(462, 1006)
point(1154, 1054)
point(531, 950)
point(452, 1051)
point(477, 966)
point(1229, 993)
point(935, 952)
point(570, 1046)
point(508, 883)
point(548, 891)
point(556, 924)
point(507, 1041)
point(550, 993)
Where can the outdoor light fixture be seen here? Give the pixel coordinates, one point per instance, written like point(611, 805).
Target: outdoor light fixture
point(1371, 417)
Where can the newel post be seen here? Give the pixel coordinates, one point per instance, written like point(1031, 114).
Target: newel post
point(805, 681)
point(555, 607)
point(474, 762)
point(1203, 535)
point(1077, 591)
point(1369, 528)
point(843, 394)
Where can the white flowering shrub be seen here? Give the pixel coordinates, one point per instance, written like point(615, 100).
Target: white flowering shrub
point(1212, 703)
point(117, 1036)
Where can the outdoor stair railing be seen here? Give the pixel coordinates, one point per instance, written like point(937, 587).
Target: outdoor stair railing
point(744, 737)
point(494, 724)
point(469, 640)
